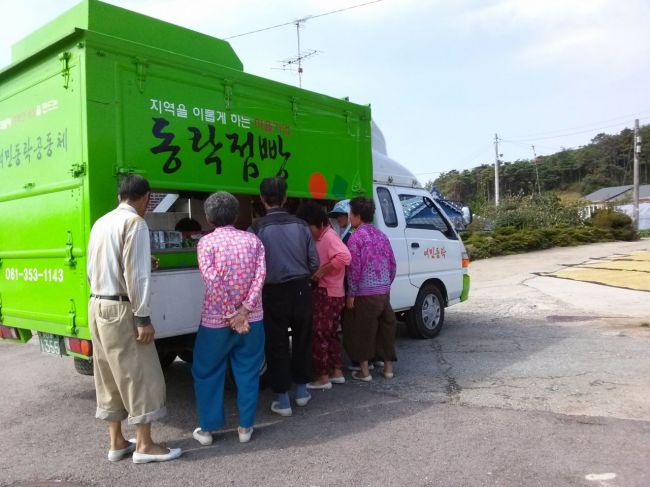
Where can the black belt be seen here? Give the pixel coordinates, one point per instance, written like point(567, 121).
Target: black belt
point(111, 298)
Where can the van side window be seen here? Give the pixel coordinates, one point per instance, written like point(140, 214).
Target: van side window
point(419, 214)
point(387, 207)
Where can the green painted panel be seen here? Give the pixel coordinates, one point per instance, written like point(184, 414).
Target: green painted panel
point(465, 293)
point(210, 132)
point(95, 16)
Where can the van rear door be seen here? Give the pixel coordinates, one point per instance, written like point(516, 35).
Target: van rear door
point(433, 246)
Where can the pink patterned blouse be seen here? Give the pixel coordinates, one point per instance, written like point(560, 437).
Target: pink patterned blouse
point(233, 269)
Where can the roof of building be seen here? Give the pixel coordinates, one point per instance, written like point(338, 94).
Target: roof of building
point(614, 193)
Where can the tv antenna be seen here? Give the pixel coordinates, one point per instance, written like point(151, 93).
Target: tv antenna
point(290, 63)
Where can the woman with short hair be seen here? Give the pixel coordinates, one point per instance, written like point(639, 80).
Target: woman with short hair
point(369, 323)
point(233, 269)
point(328, 296)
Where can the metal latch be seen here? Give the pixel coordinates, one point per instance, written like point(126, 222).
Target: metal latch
point(65, 57)
point(77, 170)
point(1, 320)
point(227, 94)
point(69, 258)
point(141, 66)
point(72, 316)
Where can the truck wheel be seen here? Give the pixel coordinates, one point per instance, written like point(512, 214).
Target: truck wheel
point(83, 366)
point(427, 316)
point(166, 358)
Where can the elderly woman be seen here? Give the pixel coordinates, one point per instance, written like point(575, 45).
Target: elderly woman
point(233, 269)
point(369, 322)
point(328, 296)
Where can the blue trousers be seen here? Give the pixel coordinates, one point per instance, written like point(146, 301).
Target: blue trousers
point(213, 348)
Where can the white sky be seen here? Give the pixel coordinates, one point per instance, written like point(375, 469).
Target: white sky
point(442, 76)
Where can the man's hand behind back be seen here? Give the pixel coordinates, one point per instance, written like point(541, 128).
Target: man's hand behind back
point(144, 334)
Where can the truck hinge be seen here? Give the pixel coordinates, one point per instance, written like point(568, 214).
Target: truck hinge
point(357, 187)
point(141, 66)
point(294, 107)
point(65, 57)
point(1, 319)
point(69, 258)
point(72, 316)
point(227, 94)
point(78, 170)
point(120, 171)
point(348, 120)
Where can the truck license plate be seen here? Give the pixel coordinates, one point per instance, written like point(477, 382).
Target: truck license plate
point(51, 344)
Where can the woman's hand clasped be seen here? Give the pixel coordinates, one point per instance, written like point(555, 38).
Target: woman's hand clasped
point(239, 321)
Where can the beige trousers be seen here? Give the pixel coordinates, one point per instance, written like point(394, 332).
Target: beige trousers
point(128, 378)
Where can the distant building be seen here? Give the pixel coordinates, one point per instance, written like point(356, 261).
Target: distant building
point(620, 198)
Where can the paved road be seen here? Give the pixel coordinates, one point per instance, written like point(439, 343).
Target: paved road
point(533, 381)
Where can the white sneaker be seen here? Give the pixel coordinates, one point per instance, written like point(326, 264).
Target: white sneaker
point(245, 436)
point(281, 411)
point(303, 401)
point(318, 385)
point(337, 380)
point(173, 454)
point(205, 440)
point(117, 455)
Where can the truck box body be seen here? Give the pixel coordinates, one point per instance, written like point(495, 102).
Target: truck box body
point(103, 91)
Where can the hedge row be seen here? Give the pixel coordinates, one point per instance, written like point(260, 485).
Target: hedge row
point(509, 240)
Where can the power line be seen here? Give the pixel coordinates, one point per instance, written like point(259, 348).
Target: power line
point(628, 116)
point(309, 17)
point(572, 133)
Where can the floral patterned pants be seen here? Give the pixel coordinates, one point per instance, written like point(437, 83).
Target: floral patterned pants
point(326, 348)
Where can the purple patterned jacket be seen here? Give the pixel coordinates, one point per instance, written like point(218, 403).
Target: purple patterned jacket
point(373, 266)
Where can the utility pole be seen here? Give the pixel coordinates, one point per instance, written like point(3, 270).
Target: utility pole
point(496, 170)
point(539, 188)
point(635, 189)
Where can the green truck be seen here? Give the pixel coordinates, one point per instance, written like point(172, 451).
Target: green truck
point(101, 91)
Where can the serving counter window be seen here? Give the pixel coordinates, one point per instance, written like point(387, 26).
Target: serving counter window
point(177, 220)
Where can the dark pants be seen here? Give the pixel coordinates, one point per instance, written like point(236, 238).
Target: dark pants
point(369, 329)
point(288, 305)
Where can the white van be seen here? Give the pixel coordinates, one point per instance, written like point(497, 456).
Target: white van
point(432, 263)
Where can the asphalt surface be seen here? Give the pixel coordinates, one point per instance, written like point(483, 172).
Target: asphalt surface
point(533, 381)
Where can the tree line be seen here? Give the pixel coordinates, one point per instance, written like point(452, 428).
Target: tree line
point(606, 161)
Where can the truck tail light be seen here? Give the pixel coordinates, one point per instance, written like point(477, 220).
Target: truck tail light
point(9, 333)
point(465, 260)
point(76, 345)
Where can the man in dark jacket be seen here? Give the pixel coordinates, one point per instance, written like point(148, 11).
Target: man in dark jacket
point(291, 259)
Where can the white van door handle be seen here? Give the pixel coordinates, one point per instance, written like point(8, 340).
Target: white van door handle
point(415, 245)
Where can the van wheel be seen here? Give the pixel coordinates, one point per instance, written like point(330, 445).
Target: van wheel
point(427, 316)
point(83, 366)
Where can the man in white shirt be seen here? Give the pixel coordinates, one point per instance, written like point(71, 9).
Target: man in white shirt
point(128, 377)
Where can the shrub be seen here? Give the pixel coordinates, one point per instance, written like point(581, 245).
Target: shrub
point(609, 218)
